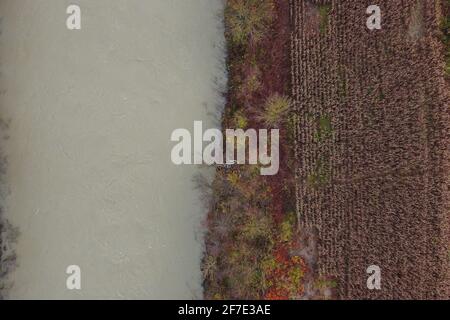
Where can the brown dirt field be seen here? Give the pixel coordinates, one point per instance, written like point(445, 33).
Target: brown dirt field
point(372, 127)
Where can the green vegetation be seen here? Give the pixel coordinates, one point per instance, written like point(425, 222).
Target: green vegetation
point(287, 228)
point(252, 81)
point(240, 120)
point(276, 110)
point(321, 175)
point(258, 230)
point(324, 128)
point(322, 284)
point(247, 21)
point(324, 13)
point(250, 237)
point(241, 223)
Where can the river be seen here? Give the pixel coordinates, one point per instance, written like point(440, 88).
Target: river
point(91, 113)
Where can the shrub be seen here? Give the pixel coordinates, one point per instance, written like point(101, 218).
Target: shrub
point(248, 20)
point(287, 228)
point(240, 120)
point(275, 111)
point(251, 83)
point(258, 228)
point(209, 267)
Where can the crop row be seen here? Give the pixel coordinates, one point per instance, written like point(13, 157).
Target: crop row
point(372, 127)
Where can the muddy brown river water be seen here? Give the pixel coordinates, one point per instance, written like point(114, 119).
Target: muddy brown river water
point(91, 111)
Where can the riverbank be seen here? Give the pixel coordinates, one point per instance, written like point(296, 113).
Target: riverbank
point(252, 247)
point(8, 234)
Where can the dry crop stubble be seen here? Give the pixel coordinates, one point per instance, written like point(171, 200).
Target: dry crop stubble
point(383, 198)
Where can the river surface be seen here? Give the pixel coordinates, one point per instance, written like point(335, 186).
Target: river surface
point(91, 112)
